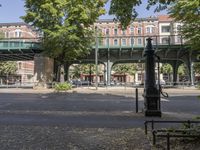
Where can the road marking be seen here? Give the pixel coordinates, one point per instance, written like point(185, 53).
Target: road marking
point(165, 100)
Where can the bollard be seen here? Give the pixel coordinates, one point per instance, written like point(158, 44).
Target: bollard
point(136, 99)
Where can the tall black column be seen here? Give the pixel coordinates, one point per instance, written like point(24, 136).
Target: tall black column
point(175, 66)
point(66, 71)
point(151, 92)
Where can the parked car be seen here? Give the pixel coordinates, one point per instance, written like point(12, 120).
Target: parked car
point(79, 82)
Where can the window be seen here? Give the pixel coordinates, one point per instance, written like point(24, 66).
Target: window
point(165, 40)
point(139, 77)
point(132, 41)
point(153, 30)
point(131, 29)
point(115, 42)
point(124, 32)
point(178, 39)
point(165, 28)
point(20, 65)
point(107, 41)
point(6, 34)
point(139, 41)
point(178, 27)
point(115, 31)
point(123, 42)
point(107, 31)
point(139, 30)
point(148, 30)
point(18, 33)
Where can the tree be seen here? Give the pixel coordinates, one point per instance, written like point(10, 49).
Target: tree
point(188, 12)
point(125, 68)
point(66, 25)
point(124, 10)
point(185, 11)
point(8, 67)
point(182, 70)
point(197, 67)
point(78, 69)
point(166, 69)
point(1, 35)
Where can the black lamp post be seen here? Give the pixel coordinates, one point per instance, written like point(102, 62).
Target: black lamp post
point(151, 92)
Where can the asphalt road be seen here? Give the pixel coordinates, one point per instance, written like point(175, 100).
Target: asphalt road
point(87, 108)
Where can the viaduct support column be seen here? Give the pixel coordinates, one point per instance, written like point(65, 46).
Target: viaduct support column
point(43, 71)
point(190, 67)
point(192, 73)
point(108, 66)
point(175, 64)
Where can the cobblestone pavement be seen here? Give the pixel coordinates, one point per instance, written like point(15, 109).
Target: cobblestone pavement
point(84, 119)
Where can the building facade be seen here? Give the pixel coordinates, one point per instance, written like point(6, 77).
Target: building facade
point(24, 32)
point(162, 30)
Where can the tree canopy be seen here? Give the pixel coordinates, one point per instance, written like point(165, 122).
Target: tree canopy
point(197, 67)
point(8, 67)
point(125, 11)
point(188, 12)
point(166, 68)
point(185, 11)
point(125, 68)
point(65, 25)
point(79, 69)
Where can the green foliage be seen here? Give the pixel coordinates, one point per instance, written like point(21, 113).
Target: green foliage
point(77, 70)
point(188, 12)
point(1, 35)
point(197, 67)
point(124, 10)
point(182, 70)
point(198, 117)
point(66, 25)
point(8, 67)
point(63, 86)
point(166, 68)
point(125, 68)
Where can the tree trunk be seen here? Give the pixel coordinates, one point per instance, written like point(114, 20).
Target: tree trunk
point(66, 71)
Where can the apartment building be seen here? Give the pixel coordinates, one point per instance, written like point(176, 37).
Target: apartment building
point(23, 31)
point(160, 29)
point(134, 34)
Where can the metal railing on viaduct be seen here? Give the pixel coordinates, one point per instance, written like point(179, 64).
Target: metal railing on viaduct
point(112, 50)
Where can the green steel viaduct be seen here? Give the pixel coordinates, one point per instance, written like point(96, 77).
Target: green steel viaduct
point(107, 53)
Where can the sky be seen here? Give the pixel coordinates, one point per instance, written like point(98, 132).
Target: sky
point(11, 10)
